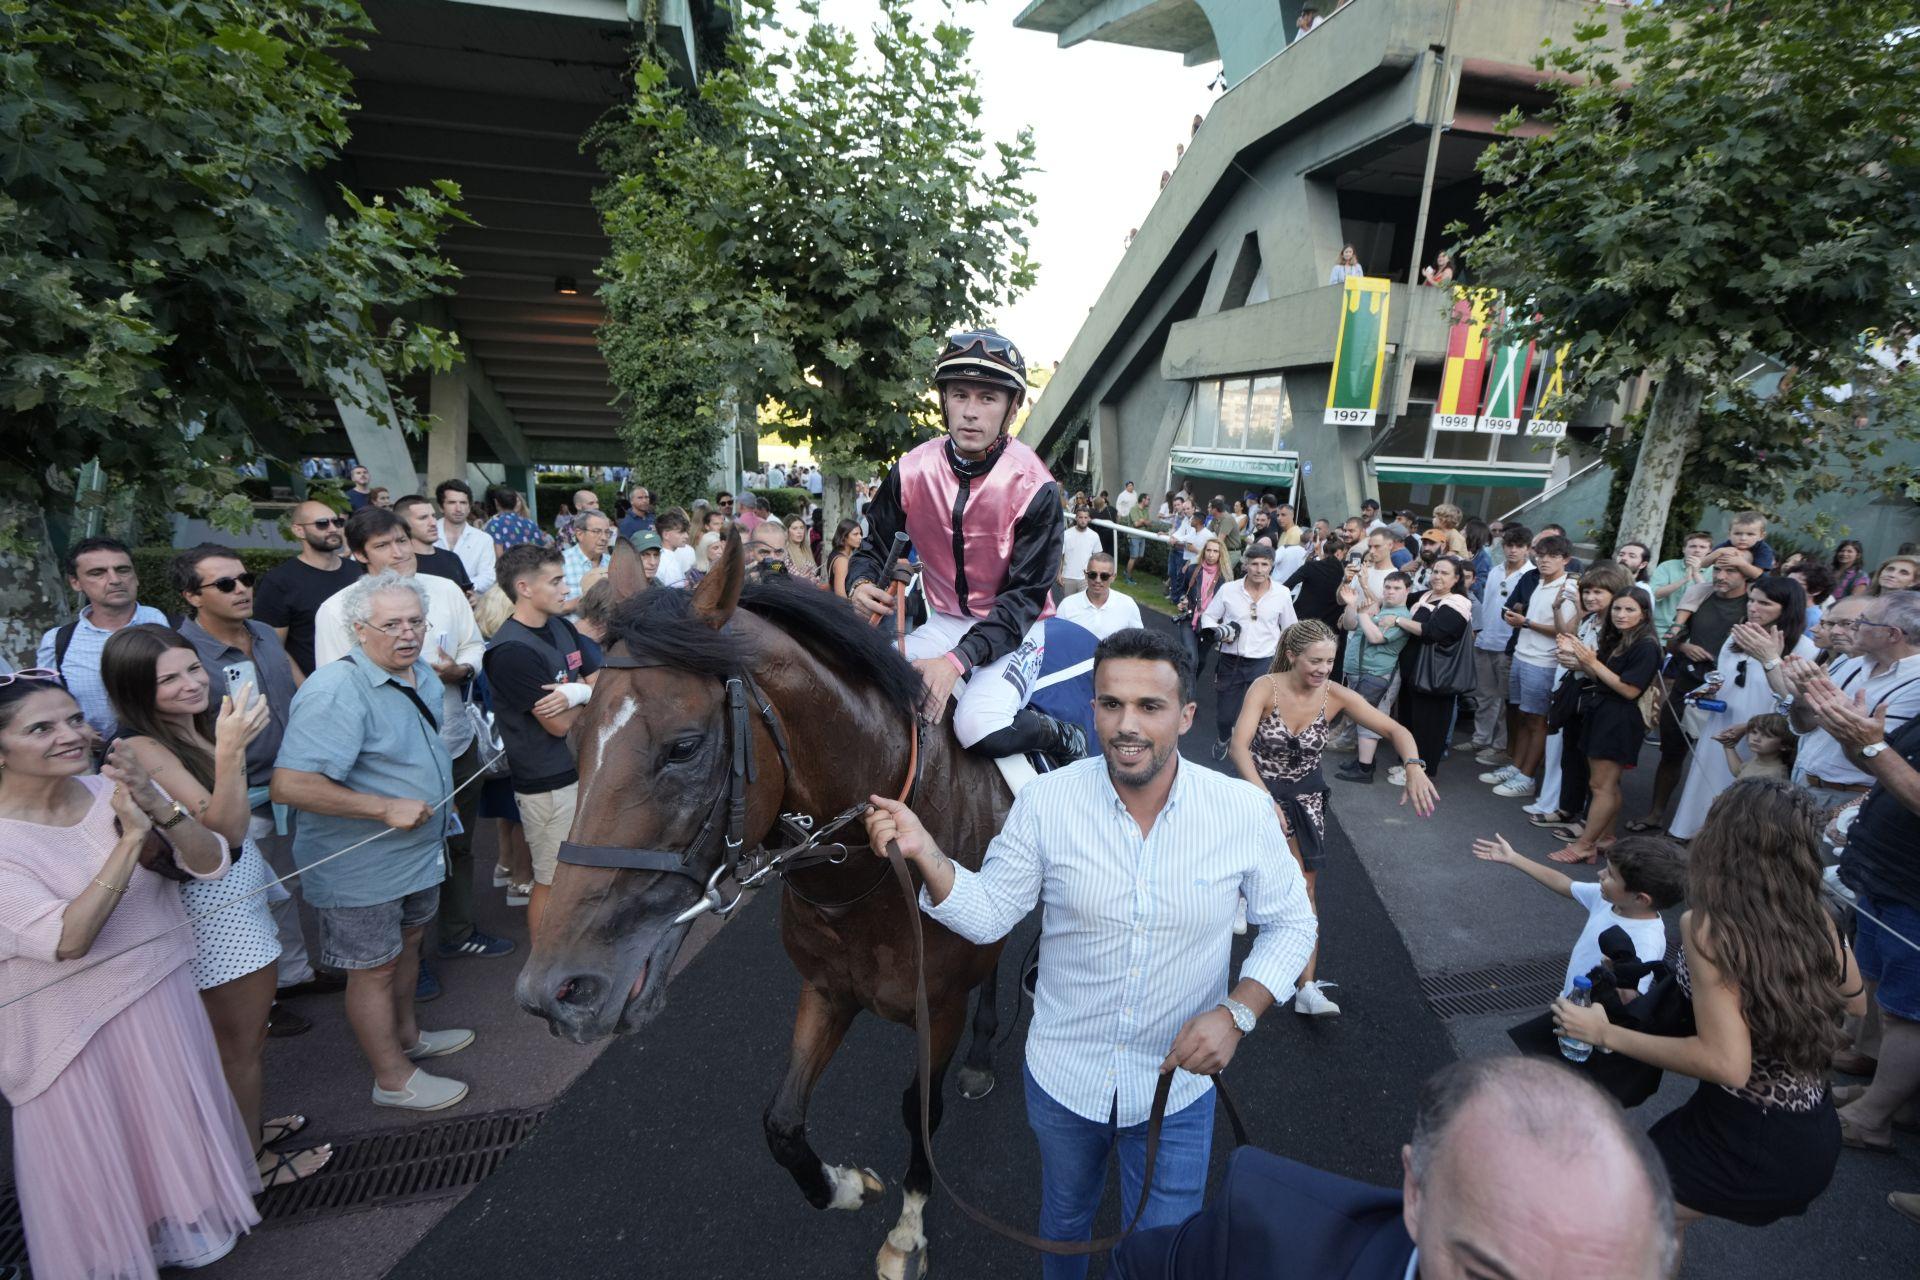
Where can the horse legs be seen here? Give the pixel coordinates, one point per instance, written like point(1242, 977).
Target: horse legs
point(976, 1073)
point(904, 1255)
point(818, 1027)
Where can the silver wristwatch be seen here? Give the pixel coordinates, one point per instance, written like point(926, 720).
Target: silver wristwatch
point(1242, 1016)
point(1873, 749)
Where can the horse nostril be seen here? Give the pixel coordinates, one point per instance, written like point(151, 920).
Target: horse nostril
point(580, 991)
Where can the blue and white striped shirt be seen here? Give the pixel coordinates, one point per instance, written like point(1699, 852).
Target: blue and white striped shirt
point(1137, 932)
point(81, 670)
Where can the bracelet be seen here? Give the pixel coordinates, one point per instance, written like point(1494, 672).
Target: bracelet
point(110, 888)
point(1408, 764)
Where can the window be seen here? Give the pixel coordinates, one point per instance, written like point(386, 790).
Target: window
point(1206, 414)
point(1269, 416)
point(1233, 414)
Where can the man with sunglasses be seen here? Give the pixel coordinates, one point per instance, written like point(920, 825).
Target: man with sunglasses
point(1099, 609)
point(1248, 614)
point(291, 593)
point(235, 650)
point(984, 515)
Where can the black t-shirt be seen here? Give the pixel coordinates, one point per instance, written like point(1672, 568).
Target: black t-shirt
point(291, 593)
point(442, 563)
point(1712, 622)
point(520, 663)
point(1635, 666)
point(1882, 857)
point(1319, 581)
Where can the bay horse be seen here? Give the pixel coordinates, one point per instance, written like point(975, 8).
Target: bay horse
point(832, 720)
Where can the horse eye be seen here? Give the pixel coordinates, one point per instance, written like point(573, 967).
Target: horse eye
point(683, 750)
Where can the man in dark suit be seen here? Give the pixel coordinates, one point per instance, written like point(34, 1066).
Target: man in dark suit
point(1518, 1170)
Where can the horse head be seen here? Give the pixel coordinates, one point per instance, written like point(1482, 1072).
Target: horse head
point(657, 752)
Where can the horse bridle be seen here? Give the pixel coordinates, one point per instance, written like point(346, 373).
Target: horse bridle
point(747, 869)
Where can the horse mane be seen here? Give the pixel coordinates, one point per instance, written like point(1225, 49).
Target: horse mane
point(659, 625)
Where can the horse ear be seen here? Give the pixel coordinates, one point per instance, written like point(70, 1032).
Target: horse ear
point(718, 594)
point(625, 573)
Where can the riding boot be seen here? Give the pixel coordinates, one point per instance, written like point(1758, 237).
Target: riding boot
point(1033, 731)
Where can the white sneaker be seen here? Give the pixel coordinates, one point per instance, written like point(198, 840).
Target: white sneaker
point(423, 1092)
point(1312, 1001)
point(1504, 773)
point(1240, 916)
point(501, 876)
point(1515, 787)
point(1397, 775)
point(519, 895)
point(1537, 809)
point(1492, 756)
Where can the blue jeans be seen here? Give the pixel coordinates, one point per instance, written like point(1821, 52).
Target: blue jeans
point(1073, 1170)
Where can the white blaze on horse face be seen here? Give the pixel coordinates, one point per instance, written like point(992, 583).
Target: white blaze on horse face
point(615, 723)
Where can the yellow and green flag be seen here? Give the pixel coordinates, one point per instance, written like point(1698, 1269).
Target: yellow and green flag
point(1359, 353)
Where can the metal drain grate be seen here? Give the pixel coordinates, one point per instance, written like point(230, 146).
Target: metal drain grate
point(365, 1172)
point(1507, 988)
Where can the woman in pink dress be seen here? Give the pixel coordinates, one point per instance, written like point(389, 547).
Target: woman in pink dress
point(128, 1151)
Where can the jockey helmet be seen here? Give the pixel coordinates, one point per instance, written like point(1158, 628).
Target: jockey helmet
point(984, 355)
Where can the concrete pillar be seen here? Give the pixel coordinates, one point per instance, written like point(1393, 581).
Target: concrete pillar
point(521, 479)
point(447, 440)
point(366, 411)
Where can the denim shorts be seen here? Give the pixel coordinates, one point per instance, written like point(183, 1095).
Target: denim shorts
point(368, 937)
point(1886, 960)
point(1530, 687)
point(1136, 547)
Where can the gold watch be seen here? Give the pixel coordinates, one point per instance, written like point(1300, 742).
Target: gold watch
point(180, 815)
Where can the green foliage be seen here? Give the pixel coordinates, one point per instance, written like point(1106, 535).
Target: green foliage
point(786, 503)
point(156, 588)
point(1724, 190)
point(170, 304)
point(807, 226)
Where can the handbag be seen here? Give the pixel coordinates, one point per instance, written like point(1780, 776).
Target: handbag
point(486, 735)
point(1445, 669)
point(1566, 703)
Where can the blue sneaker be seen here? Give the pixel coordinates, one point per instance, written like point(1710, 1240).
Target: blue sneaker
point(428, 987)
point(479, 944)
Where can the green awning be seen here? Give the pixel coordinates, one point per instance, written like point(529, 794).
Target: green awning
point(1236, 468)
point(1439, 473)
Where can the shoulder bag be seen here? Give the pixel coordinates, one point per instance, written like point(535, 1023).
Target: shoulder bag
point(1445, 670)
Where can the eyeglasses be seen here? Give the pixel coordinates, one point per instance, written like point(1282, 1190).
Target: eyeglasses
point(398, 627)
point(1099, 577)
point(331, 522)
point(40, 675)
point(225, 586)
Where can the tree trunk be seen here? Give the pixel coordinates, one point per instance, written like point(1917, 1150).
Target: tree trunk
point(1670, 436)
point(836, 501)
point(32, 596)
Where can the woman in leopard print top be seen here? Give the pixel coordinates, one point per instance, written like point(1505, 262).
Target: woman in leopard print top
point(1768, 975)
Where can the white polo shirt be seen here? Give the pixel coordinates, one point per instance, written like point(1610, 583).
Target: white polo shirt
point(1117, 614)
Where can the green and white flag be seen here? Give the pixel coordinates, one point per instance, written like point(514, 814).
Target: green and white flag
point(1506, 388)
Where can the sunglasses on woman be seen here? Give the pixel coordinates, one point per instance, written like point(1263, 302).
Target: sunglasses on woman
point(40, 675)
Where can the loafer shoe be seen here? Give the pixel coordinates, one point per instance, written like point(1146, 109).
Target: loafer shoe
point(438, 1044)
point(422, 1092)
point(282, 1023)
point(324, 982)
point(479, 944)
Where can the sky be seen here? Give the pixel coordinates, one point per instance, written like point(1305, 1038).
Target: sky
point(1106, 119)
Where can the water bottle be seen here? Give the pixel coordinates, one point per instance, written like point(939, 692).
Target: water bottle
point(1582, 994)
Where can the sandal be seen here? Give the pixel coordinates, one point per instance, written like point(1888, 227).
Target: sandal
point(1640, 826)
point(1566, 855)
point(274, 1132)
point(1858, 1139)
point(284, 1173)
point(1554, 819)
point(1565, 832)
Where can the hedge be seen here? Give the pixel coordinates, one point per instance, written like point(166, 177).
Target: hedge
point(786, 503)
point(156, 585)
point(548, 497)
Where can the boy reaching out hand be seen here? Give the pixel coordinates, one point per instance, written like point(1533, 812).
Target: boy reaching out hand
point(1644, 875)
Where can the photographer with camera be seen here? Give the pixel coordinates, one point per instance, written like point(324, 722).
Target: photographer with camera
point(1247, 616)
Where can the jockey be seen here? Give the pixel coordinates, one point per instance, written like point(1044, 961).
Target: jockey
point(984, 515)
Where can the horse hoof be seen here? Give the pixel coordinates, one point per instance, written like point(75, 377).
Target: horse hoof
point(852, 1189)
point(975, 1083)
point(892, 1264)
point(871, 1188)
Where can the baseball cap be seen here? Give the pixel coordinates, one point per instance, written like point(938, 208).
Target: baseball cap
point(648, 541)
point(1433, 535)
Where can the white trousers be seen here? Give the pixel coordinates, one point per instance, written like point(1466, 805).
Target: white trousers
point(994, 693)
